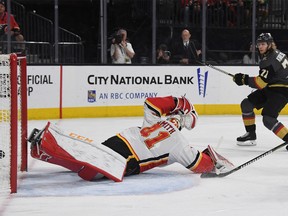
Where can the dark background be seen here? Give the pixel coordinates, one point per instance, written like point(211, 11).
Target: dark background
point(82, 18)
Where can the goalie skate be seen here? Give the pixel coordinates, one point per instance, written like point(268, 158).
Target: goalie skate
point(221, 163)
point(35, 136)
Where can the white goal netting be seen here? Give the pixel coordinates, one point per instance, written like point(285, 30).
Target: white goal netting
point(11, 120)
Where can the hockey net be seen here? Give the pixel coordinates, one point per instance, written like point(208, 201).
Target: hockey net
point(13, 120)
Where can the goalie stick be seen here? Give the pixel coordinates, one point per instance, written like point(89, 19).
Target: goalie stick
point(215, 68)
point(212, 175)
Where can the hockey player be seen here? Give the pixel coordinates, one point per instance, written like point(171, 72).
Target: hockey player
point(271, 93)
point(137, 149)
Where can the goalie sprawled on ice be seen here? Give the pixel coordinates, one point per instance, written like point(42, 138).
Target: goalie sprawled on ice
point(137, 149)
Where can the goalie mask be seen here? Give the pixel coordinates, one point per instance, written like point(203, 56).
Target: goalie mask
point(176, 120)
point(187, 121)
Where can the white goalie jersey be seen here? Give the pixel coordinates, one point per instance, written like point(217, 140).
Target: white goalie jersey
point(159, 144)
point(159, 141)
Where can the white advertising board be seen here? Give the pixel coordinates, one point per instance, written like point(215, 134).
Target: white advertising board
point(43, 86)
point(130, 85)
point(72, 87)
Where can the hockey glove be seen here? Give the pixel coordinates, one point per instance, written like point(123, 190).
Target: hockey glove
point(190, 120)
point(241, 79)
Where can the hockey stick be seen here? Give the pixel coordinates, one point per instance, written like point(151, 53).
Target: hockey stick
point(208, 65)
point(215, 68)
point(213, 175)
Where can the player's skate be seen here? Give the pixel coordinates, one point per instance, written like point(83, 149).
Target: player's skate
point(34, 136)
point(35, 139)
point(221, 163)
point(248, 139)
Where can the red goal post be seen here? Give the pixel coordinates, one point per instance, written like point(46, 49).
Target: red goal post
point(13, 120)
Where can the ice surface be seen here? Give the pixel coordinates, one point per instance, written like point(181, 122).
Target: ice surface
point(258, 189)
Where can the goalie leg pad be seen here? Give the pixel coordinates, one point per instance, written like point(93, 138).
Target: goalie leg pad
point(88, 172)
point(84, 170)
point(86, 159)
point(50, 152)
point(39, 153)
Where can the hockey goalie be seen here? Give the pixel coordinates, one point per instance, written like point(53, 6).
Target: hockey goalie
point(157, 142)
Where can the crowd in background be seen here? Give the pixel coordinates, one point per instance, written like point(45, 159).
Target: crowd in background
point(229, 14)
point(219, 12)
point(222, 16)
point(227, 37)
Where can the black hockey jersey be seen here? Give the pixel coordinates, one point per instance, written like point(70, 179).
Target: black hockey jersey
point(273, 72)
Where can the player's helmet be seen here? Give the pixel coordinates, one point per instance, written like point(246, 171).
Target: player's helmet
point(176, 120)
point(265, 37)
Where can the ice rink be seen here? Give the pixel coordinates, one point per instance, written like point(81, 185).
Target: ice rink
point(258, 189)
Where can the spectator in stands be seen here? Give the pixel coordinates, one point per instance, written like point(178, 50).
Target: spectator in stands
point(121, 49)
point(187, 51)
point(247, 58)
point(195, 11)
point(262, 11)
point(163, 55)
point(216, 13)
point(15, 29)
point(245, 12)
point(232, 9)
point(166, 11)
point(177, 11)
point(185, 11)
point(182, 11)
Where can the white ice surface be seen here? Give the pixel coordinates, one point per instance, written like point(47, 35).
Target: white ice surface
point(258, 189)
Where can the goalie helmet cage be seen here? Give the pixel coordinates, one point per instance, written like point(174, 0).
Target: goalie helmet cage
point(13, 120)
